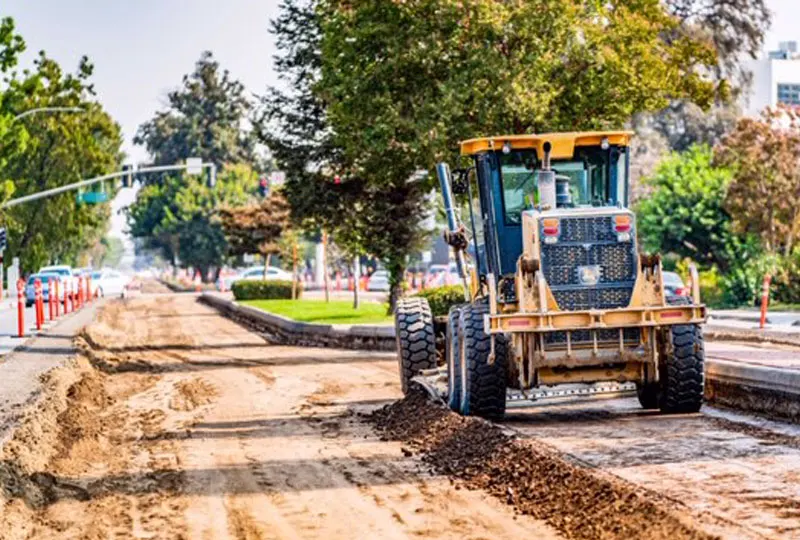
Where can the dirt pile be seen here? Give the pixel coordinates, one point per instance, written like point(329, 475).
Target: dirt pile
point(535, 480)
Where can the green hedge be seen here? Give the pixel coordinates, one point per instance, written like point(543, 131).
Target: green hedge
point(264, 290)
point(441, 298)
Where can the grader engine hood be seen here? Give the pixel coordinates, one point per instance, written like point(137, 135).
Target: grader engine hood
point(587, 256)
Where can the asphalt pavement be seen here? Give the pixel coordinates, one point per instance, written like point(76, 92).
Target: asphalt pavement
point(8, 324)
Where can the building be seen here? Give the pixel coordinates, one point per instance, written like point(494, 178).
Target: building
point(776, 80)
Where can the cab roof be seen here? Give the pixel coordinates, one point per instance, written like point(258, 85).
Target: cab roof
point(563, 144)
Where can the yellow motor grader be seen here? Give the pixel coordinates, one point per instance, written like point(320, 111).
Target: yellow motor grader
point(557, 292)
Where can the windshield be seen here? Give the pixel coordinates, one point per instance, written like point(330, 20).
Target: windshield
point(596, 178)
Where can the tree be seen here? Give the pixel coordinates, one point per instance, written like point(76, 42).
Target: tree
point(256, 228)
point(685, 213)
point(403, 82)
point(205, 119)
point(175, 214)
point(58, 149)
point(764, 197)
point(320, 188)
point(177, 217)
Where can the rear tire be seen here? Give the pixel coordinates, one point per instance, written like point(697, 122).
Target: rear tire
point(416, 341)
point(452, 357)
point(483, 385)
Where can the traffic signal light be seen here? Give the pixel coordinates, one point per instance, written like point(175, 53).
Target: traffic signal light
point(127, 178)
point(211, 178)
point(3, 241)
point(263, 186)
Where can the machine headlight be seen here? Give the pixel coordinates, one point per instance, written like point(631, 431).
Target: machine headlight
point(589, 275)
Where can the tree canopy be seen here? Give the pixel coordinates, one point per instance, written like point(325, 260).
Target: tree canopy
point(175, 214)
point(50, 150)
point(685, 212)
point(764, 198)
point(255, 227)
point(204, 119)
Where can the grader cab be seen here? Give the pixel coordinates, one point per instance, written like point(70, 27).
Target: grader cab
point(559, 293)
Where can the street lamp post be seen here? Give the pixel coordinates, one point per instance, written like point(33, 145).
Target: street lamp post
point(46, 109)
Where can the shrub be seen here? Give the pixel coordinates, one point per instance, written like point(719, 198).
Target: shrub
point(264, 290)
point(441, 298)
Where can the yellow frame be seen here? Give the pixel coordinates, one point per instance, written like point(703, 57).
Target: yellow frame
point(562, 144)
point(633, 317)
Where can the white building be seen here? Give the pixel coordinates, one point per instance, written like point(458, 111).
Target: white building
point(776, 80)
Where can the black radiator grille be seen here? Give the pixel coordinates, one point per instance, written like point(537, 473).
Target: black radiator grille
point(589, 241)
point(587, 229)
point(593, 298)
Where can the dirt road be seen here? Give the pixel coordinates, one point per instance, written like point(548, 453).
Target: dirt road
point(185, 425)
point(178, 423)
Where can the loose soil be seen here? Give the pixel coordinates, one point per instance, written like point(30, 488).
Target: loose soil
point(529, 476)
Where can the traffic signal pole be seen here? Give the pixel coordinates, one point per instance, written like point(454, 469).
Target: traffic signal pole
point(211, 181)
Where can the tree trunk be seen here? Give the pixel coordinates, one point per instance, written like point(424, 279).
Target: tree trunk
point(267, 258)
point(356, 279)
point(325, 266)
point(396, 272)
point(294, 272)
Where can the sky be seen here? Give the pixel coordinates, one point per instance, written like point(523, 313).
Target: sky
point(142, 48)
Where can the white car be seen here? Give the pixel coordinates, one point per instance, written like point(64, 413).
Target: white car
point(378, 281)
point(256, 273)
point(109, 283)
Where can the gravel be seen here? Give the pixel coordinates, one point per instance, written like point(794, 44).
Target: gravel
point(579, 502)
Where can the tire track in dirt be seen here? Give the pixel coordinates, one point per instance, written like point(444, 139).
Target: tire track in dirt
point(213, 433)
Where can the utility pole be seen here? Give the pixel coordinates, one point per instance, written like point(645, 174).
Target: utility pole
point(356, 281)
point(325, 266)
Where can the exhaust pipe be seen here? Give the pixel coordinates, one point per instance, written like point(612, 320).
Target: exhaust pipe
point(546, 180)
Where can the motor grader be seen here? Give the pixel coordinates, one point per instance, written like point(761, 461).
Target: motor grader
point(558, 292)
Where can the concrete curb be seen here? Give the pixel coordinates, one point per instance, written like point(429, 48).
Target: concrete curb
point(767, 390)
point(283, 331)
point(726, 333)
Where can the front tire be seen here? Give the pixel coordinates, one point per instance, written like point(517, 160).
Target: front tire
point(682, 370)
point(483, 385)
point(416, 341)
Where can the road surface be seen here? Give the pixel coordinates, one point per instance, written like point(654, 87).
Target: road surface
point(193, 427)
point(178, 423)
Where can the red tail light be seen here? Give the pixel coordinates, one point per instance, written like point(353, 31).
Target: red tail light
point(622, 223)
point(550, 227)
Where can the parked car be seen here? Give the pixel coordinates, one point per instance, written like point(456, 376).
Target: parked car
point(63, 271)
point(378, 281)
point(30, 290)
point(109, 282)
point(673, 285)
point(256, 273)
